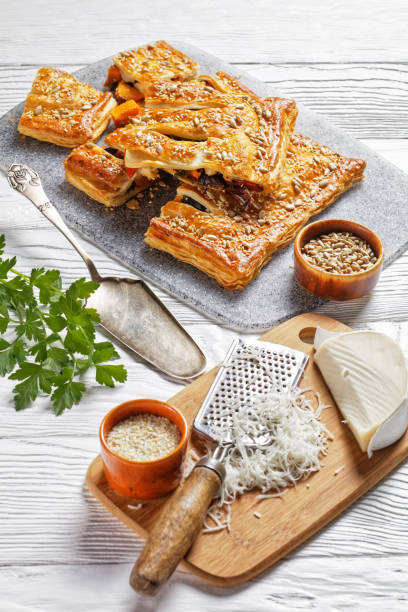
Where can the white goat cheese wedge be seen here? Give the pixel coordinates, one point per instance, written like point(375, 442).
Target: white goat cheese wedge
point(367, 375)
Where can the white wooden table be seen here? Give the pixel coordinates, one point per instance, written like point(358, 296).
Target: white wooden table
point(59, 549)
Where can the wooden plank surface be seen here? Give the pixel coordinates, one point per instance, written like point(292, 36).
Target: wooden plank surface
point(59, 550)
point(252, 545)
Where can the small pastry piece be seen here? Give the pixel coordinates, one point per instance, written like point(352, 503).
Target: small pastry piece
point(102, 176)
point(139, 67)
point(204, 92)
point(62, 110)
point(235, 145)
point(232, 241)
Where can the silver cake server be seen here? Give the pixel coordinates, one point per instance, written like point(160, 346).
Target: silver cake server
point(128, 309)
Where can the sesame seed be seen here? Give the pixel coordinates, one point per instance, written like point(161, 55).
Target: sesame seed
point(143, 437)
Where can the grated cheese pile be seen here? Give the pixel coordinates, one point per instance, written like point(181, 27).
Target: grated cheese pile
point(298, 440)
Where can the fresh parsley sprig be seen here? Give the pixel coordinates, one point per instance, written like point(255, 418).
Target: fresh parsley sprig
point(47, 336)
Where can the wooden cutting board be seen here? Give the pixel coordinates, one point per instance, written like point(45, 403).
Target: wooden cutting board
point(254, 544)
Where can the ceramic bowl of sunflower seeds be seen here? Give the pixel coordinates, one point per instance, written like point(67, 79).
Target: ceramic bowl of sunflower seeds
point(338, 259)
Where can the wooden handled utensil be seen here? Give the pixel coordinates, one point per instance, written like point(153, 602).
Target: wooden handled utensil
point(255, 367)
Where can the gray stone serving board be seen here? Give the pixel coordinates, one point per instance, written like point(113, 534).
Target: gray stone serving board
point(380, 202)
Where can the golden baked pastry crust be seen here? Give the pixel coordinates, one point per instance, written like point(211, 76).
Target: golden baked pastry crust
point(242, 141)
point(102, 176)
point(62, 110)
point(232, 242)
point(154, 61)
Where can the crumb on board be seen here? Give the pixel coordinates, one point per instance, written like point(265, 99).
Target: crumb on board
point(135, 507)
point(133, 204)
point(339, 469)
point(307, 485)
point(257, 515)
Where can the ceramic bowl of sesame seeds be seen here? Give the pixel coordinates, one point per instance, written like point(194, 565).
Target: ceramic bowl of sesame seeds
point(337, 259)
point(143, 445)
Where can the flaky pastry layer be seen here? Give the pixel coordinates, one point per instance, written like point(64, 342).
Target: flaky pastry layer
point(244, 141)
point(154, 61)
point(102, 176)
point(62, 110)
point(232, 242)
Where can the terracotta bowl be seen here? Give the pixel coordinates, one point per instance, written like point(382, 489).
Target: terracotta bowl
point(336, 286)
point(143, 479)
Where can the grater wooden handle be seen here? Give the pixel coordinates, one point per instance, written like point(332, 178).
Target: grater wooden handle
point(175, 531)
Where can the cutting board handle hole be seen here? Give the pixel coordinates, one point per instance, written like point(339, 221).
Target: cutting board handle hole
point(307, 335)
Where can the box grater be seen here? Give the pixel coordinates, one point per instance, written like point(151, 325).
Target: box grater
point(249, 368)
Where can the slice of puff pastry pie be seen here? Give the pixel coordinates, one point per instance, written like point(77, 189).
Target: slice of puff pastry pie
point(62, 110)
point(229, 143)
point(232, 241)
point(102, 176)
point(133, 70)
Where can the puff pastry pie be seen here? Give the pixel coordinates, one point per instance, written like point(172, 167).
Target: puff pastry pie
point(232, 241)
point(102, 176)
point(159, 60)
point(232, 144)
point(62, 110)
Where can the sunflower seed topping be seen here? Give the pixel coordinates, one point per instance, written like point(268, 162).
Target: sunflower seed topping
point(340, 253)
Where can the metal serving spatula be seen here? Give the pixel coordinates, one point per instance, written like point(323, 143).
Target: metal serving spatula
point(249, 368)
point(128, 309)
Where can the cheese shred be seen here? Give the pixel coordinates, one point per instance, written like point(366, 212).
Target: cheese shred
point(298, 439)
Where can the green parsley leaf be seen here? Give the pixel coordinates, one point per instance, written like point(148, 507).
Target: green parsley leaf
point(56, 323)
point(49, 284)
point(104, 352)
point(106, 374)
point(66, 396)
point(34, 378)
point(54, 336)
point(6, 265)
point(4, 316)
point(10, 355)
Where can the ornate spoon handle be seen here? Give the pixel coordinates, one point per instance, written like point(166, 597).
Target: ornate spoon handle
point(26, 181)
